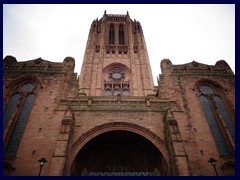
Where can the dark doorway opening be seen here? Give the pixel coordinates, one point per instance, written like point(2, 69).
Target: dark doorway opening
point(119, 153)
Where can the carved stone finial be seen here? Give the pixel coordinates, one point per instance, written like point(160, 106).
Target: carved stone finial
point(127, 13)
point(105, 12)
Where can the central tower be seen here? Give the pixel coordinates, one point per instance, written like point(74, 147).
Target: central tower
point(116, 60)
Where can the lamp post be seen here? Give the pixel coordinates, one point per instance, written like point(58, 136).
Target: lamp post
point(213, 163)
point(42, 161)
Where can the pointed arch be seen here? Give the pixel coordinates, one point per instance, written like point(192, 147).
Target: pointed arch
point(121, 34)
point(11, 87)
point(221, 122)
point(211, 84)
point(111, 38)
point(116, 80)
point(107, 127)
point(120, 65)
point(20, 99)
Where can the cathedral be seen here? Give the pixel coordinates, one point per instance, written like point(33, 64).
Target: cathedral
point(112, 120)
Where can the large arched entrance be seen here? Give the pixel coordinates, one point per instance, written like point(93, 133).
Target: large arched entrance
point(119, 152)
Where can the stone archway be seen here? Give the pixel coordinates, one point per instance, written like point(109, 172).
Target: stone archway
point(136, 132)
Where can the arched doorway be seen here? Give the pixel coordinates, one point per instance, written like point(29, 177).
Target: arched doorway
point(119, 152)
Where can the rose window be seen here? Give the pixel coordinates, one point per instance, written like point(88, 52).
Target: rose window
point(116, 75)
point(116, 83)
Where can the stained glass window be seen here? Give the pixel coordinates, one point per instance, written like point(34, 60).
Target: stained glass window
point(217, 115)
point(206, 90)
point(219, 140)
point(26, 92)
point(20, 126)
point(117, 83)
point(10, 109)
point(125, 93)
point(108, 92)
point(116, 92)
point(27, 87)
point(224, 113)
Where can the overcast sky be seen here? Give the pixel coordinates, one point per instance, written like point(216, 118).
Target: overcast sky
point(181, 33)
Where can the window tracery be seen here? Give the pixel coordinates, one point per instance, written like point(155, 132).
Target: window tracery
point(218, 118)
point(116, 83)
point(16, 115)
point(116, 75)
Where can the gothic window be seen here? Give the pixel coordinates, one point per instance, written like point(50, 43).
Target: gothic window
point(218, 118)
point(125, 91)
point(108, 90)
point(121, 35)
point(225, 115)
point(116, 92)
point(111, 34)
point(10, 109)
point(16, 116)
point(116, 84)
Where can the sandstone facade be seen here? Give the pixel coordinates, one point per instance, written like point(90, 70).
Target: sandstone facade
point(112, 119)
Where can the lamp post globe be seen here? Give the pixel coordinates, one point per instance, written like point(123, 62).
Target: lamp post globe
point(41, 161)
point(213, 161)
